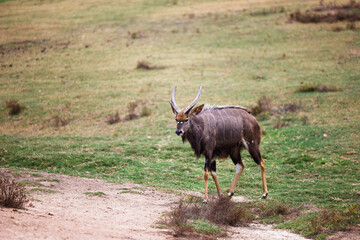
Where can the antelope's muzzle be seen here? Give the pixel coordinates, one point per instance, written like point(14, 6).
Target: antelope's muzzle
point(179, 132)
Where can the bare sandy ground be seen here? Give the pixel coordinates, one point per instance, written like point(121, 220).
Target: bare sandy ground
point(118, 211)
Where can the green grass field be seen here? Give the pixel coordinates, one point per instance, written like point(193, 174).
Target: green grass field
point(72, 64)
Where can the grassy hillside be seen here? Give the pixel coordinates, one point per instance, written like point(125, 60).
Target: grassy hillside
point(72, 65)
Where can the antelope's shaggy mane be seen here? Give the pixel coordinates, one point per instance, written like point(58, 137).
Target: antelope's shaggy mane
point(208, 107)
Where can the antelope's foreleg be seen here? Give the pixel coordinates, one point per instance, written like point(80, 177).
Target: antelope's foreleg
point(239, 169)
point(263, 178)
point(206, 178)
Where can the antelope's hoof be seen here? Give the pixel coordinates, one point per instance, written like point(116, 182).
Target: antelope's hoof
point(264, 196)
point(205, 201)
point(230, 194)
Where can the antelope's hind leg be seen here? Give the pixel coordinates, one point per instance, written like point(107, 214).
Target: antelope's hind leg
point(256, 155)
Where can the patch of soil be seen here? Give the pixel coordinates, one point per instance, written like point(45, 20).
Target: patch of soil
point(124, 211)
point(64, 207)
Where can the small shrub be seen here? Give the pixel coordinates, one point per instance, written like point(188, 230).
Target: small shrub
point(14, 107)
point(132, 106)
point(131, 111)
point(226, 212)
point(111, 119)
point(12, 194)
point(263, 105)
point(178, 218)
point(145, 111)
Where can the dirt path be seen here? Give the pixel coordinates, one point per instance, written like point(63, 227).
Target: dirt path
point(81, 208)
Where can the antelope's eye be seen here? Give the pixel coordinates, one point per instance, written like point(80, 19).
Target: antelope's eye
point(182, 122)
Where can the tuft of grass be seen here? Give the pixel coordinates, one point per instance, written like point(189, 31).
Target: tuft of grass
point(12, 194)
point(14, 107)
point(43, 190)
point(313, 87)
point(203, 226)
point(50, 180)
point(36, 175)
point(98, 194)
point(30, 183)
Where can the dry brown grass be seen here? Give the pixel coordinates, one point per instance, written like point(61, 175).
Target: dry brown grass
point(12, 194)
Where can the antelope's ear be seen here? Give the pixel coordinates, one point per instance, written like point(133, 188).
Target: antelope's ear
point(196, 110)
point(173, 109)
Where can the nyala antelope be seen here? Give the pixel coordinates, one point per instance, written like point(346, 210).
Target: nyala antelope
point(219, 132)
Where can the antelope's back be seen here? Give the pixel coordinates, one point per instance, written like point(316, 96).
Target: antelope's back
point(225, 124)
